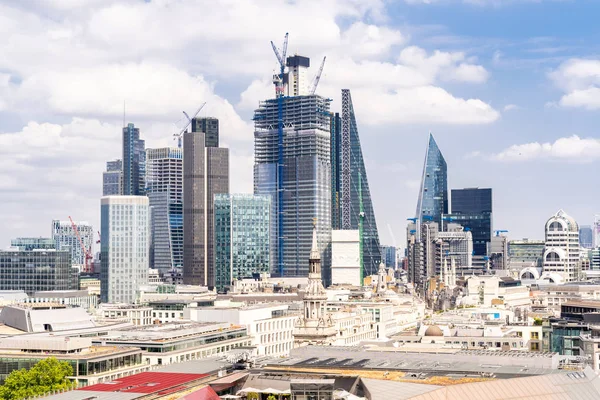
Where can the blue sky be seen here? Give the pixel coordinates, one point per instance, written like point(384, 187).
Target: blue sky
point(510, 89)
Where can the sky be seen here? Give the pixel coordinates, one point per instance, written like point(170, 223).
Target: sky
point(509, 88)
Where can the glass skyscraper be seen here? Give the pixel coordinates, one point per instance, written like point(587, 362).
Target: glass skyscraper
point(347, 164)
point(111, 178)
point(472, 208)
point(306, 177)
point(134, 162)
point(586, 236)
point(242, 243)
point(164, 186)
point(433, 194)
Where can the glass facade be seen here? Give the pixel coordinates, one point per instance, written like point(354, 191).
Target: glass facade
point(389, 256)
point(347, 164)
point(242, 240)
point(526, 253)
point(28, 244)
point(433, 194)
point(134, 162)
point(306, 178)
point(111, 178)
point(210, 127)
point(35, 271)
point(472, 208)
point(586, 236)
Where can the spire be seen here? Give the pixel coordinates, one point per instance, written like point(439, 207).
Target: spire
point(314, 250)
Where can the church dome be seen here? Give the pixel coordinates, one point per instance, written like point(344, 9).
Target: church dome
point(434, 330)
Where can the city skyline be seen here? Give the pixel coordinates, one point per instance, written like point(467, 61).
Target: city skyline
point(65, 146)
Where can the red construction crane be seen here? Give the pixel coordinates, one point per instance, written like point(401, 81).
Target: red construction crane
point(86, 252)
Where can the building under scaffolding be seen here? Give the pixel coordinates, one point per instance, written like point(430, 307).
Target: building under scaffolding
point(306, 180)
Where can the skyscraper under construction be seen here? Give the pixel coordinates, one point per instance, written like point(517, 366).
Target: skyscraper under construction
point(292, 165)
point(349, 185)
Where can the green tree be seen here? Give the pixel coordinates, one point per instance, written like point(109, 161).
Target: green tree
point(271, 397)
point(44, 377)
point(537, 321)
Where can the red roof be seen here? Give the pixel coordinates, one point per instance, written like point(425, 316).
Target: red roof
point(146, 382)
point(206, 393)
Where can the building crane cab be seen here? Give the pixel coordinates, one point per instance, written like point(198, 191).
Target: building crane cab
point(86, 252)
point(179, 135)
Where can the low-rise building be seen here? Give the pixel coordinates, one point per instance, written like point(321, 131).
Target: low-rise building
point(79, 298)
point(136, 314)
point(495, 291)
point(45, 317)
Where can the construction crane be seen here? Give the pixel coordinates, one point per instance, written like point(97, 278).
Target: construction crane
point(99, 238)
point(179, 135)
point(315, 83)
point(87, 253)
point(278, 80)
point(499, 231)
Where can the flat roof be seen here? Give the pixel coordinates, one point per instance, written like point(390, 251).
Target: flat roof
point(146, 382)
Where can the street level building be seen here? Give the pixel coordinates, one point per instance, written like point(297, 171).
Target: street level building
point(125, 247)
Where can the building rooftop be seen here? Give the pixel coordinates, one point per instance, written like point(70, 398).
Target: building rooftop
point(582, 303)
point(168, 331)
point(146, 382)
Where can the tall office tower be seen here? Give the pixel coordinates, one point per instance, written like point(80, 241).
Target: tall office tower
point(65, 238)
point(561, 253)
point(388, 254)
point(210, 127)
point(205, 174)
point(454, 243)
point(422, 252)
point(28, 244)
point(298, 81)
point(112, 178)
point(35, 270)
point(472, 208)
point(164, 187)
point(125, 247)
point(433, 194)
point(299, 184)
point(134, 162)
point(498, 252)
point(586, 236)
point(242, 223)
point(348, 173)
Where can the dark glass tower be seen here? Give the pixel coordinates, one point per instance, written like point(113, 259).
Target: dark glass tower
point(472, 208)
point(210, 127)
point(134, 162)
point(433, 195)
point(347, 164)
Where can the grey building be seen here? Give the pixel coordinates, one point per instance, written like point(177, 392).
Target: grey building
point(525, 253)
point(586, 236)
point(28, 244)
point(242, 223)
point(35, 270)
point(112, 178)
point(205, 174)
point(124, 248)
point(389, 256)
point(295, 170)
point(134, 162)
point(164, 187)
point(65, 238)
point(210, 127)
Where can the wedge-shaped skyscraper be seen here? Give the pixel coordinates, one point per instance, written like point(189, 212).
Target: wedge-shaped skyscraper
point(433, 194)
point(349, 184)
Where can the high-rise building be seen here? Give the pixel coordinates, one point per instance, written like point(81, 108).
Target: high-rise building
point(112, 178)
point(125, 247)
point(205, 174)
point(134, 162)
point(65, 238)
point(389, 256)
point(350, 185)
point(37, 243)
point(35, 270)
point(164, 187)
point(242, 242)
point(498, 252)
point(421, 251)
point(454, 243)
point(345, 257)
point(472, 208)
point(210, 127)
point(561, 253)
point(433, 193)
point(586, 236)
point(299, 184)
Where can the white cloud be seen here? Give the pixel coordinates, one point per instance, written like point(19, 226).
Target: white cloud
point(573, 149)
point(580, 80)
point(511, 107)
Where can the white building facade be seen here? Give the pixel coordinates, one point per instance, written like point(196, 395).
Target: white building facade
point(345, 257)
point(65, 238)
point(125, 247)
point(562, 250)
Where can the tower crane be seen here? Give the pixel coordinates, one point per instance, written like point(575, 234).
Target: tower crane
point(315, 83)
point(87, 253)
point(278, 80)
point(179, 135)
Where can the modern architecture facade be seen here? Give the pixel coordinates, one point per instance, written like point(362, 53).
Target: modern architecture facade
point(112, 178)
point(345, 257)
point(205, 174)
point(472, 208)
point(242, 239)
point(164, 187)
point(455, 243)
point(433, 193)
point(35, 270)
point(525, 253)
point(210, 127)
point(300, 187)
point(65, 238)
point(134, 162)
point(125, 247)
point(389, 254)
point(561, 251)
point(28, 244)
point(586, 236)
point(350, 186)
